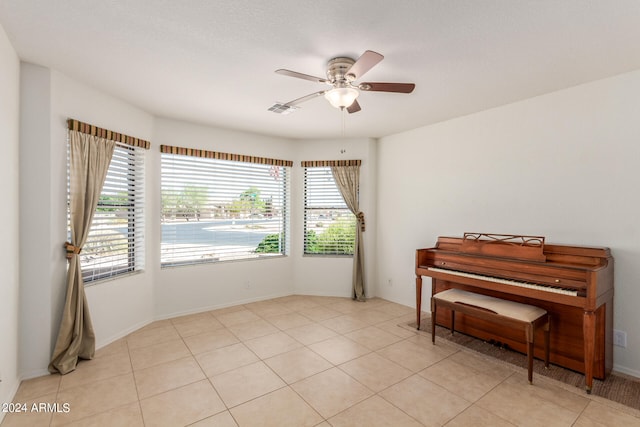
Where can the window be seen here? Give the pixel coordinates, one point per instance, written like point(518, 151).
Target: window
point(222, 207)
point(329, 226)
point(115, 244)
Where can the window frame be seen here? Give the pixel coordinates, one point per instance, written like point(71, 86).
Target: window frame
point(333, 204)
point(130, 159)
point(220, 174)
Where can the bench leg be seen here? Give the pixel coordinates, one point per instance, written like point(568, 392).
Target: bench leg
point(547, 331)
point(530, 345)
point(453, 320)
point(433, 321)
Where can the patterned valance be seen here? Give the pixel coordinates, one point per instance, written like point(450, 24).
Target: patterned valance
point(107, 134)
point(169, 149)
point(330, 163)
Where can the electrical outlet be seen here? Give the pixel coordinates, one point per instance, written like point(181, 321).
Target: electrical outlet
point(247, 285)
point(389, 283)
point(620, 338)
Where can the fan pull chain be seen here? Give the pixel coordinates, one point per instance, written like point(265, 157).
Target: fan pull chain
point(344, 121)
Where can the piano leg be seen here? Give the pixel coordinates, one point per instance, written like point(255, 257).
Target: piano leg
point(418, 300)
point(589, 335)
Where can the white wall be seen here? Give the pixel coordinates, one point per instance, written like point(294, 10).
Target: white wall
point(9, 218)
point(118, 306)
point(48, 98)
point(332, 276)
point(562, 165)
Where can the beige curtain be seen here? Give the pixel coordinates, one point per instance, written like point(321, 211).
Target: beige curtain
point(89, 161)
point(348, 181)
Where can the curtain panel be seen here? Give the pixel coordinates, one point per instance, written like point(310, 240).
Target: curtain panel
point(346, 174)
point(89, 159)
point(347, 179)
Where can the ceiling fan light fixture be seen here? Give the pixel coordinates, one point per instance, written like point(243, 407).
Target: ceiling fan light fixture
point(342, 97)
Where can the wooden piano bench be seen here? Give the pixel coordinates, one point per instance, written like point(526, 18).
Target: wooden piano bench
point(507, 313)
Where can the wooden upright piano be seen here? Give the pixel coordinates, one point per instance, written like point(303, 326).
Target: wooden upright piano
point(574, 284)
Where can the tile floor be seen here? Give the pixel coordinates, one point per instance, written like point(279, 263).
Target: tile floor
point(302, 361)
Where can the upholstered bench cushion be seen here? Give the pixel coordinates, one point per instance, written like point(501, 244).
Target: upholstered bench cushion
point(511, 309)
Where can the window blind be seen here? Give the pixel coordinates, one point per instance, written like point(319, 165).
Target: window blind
point(329, 226)
point(216, 208)
point(115, 244)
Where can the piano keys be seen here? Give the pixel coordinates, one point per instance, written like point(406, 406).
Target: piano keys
point(574, 284)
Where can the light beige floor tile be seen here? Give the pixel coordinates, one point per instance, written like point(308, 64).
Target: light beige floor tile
point(223, 419)
point(373, 412)
point(373, 316)
point(347, 305)
point(397, 310)
point(224, 310)
point(145, 357)
point(288, 320)
point(271, 345)
point(392, 326)
point(95, 397)
point(442, 383)
point(548, 389)
point(225, 359)
point(182, 406)
point(88, 371)
point(460, 379)
point(157, 335)
point(36, 387)
point(475, 416)
point(210, 341)
point(339, 349)
point(236, 317)
point(600, 414)
point(253, 329)
point(344, 324)
point(298, 364)
point(280, 408)
point(188, 318)
point(520, 403)
point(413, 356)
point(127, 415)
point(425, 401)
point(23, 414)
point(266, 309)
point(248, 382)
point(375, 371)
point(320, 313)
point(481, 363)
point(167, 376)
point(301, 304)
point(331, 391)
point(116, 347)
point(311, 333)
point(198, 325)
point(373, 337)
point(156, 324)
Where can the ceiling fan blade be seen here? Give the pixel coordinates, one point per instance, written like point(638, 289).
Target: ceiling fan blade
point(305, 98)
point(354, 108)
point(301, 76)
point(366, 62)
point(387, 87)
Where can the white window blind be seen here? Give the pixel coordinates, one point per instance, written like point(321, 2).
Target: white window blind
point(115, 244)
point(222, 210)
point(329, 226)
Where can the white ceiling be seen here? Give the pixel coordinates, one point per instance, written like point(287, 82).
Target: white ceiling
point(213, 61)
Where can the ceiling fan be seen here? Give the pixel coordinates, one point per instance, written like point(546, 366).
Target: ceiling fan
point(342, 72)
